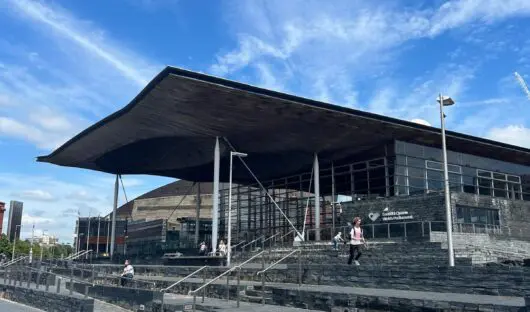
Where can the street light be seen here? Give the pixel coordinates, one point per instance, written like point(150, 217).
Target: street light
point(229, 245)
point(447, 101)
point(14, 243)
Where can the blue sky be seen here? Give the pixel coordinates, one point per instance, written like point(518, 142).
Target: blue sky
point(66, 64)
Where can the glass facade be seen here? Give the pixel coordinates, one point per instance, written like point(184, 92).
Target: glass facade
point(419, 169)
point(395, 169)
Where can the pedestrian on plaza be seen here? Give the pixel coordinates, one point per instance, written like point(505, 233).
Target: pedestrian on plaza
point(222, 248)
point(356, 241)
point(202, 249)
point(337, 240)
point(128, 273)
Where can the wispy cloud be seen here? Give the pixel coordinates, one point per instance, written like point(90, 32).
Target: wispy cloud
point(66, 74)
point(353, 53)
point(36, 195)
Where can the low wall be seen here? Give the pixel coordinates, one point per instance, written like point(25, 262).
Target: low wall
point(47, 301)
point(127, 298)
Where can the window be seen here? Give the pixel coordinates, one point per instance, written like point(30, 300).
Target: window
point(477, 215)
point(499, 184)
point(435, 176)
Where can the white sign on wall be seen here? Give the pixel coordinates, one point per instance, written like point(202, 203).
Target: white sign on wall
point(396, 216)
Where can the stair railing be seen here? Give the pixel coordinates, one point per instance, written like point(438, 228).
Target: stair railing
point(235, 268)
point(185, 278)
point(11, 262)
point(262, 272)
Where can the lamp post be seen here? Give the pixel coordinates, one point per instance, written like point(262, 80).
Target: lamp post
point(229, 244)
point(14, 243)
point(31, 244)
point(447, 101)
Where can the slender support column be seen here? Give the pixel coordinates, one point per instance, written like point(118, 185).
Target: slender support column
point(197, 214)
point(113, 232)
point(317, 198)
point(333, 198)
point(215, 206)
point(97, 243)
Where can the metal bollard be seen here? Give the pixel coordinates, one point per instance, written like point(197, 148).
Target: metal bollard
point(5, 275)
point(71, 285)
point(238, 284)
point(228, 287)
point(48, 282)
point(38, 280)
point(58, 285)
point(86, 291)
point(21, 278)
point(93, 275)
point(29, 278)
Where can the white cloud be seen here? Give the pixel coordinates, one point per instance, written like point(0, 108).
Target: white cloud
point(421, 122)
point(511, 134)
point(56, 82)
point(37, 195)
point(38, 221)
point(66, 26)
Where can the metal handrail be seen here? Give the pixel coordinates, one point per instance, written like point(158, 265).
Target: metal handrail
point(277, 262)
point(262, 272)
point(75, 256)
point(271, 237)
point(235, 246)
point(185, 278)
point(495, 250)
point(11, 262)
point(114, 276)
point(288, 233)
point(255, 240)
point(72, 255)
point(237, 267)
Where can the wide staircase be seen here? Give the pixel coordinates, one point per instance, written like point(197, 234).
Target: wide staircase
point(392, 276)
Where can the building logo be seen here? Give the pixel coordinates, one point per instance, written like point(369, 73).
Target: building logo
point(374, 216)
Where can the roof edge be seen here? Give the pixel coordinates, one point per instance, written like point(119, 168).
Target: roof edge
point(169, 70)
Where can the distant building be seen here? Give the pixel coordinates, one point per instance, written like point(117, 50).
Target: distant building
point(15, 220)
point(2, 210)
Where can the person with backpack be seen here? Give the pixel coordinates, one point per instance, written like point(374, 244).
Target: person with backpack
point(356, 241)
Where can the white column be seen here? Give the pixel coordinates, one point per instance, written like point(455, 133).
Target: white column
point(317, 197)
point(113, 232)
point(197, 214)
point(215, 205)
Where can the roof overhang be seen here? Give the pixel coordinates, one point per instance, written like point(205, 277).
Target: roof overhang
point(169, 129)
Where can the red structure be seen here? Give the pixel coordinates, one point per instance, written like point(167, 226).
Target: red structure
point(2, 210)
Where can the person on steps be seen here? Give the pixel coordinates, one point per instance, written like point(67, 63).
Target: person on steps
point(356, 241)
point(336, 241)
point(128, 273)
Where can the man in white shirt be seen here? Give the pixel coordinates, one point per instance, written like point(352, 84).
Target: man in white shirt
point(336, 240)
point(128, 273)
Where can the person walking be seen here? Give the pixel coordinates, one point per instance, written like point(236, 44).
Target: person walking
point(356, 241)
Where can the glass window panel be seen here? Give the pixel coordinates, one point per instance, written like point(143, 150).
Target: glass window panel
point(416, 185)
point(416, 172)
point(400, 147)
point(484, 186)
point(499, 188)
point(482, 173)
point(432, 153)
point(454, 168)
point(401, 160)
point(455, 182)
point(359, 166)
point(499, 176)
point(415, 162)
point(434, 165)
point(435, 180)
point(376, 162)
point(414, 150)
point(512, 178)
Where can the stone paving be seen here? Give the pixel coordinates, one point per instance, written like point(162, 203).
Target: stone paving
point(6, 305)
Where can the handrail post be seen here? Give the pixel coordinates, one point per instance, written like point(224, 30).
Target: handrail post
point(58, 285)
point(203, 282)
point(228, 287)
point(263, 261)
point(388, 229)
point(422, 229)
point(263, 288)
point(194, 301)
point(47, 281)
point(299, 267)
point(238, 284)
point(38, 280)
